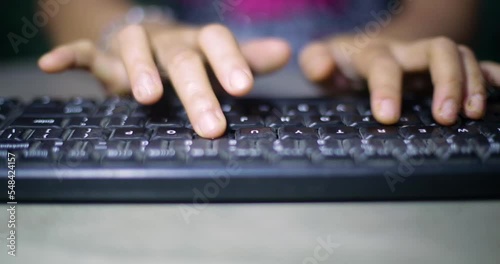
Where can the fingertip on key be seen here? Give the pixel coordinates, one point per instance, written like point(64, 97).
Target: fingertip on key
point(211, 124)
point(474, 107)
point(448, 112)
point(387, 112)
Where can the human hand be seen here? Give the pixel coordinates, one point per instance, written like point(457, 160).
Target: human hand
point(182, 51)
point(456, 74)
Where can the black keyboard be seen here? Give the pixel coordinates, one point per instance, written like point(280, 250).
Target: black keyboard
point(81, 150)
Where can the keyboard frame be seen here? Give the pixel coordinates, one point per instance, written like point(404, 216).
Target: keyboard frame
point(308, 184)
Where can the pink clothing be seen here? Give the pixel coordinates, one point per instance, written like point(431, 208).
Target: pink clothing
point(282, 8)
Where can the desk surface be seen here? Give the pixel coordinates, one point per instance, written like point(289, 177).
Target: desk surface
point(444, 232)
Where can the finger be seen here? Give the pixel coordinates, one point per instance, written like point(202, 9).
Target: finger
point(385, 77)
point(475, 90)
point(266, 55)
point(189, 78)
point(224, 56)
point(448, 80)
point(138, 59)
point(442, 58)
point(80, 54)
point(84, 55)
point(491, 71)
point(317, 61)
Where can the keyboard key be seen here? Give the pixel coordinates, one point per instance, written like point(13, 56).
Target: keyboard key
point(164, 122)
point(288, 152)
point(360, 121)
point(37, 156)
point(376, 146)
point(490, 130)
point(88, 134)
point(420, 132)
point(77, 154)
point(45, 102)
point(396, 146)
point(12, 145)
point(244, 151)
point(324, 121)
point(84, 102)
point(33, 122)
point(338, 133)
point(236, 145)
point(481, 145)
point(129, 134)
point(309, 145)
point(235, 121)
point(333, 146)
point(438, 145)
point(409, 120)
point(379, 132)
point(352, 144)
point(159, 150)
point(417, 145)
point(231, 109)
point(201, 151)
point(114, 110)
point(46, 134)
point(365, 109)
point(58, 111)
point(13, 134)
point(297, 133)
point(42, 152)
point(340, 109)
point(301, 109)
point(280, 121)
point(172, 133)
point(126, 122)
point(118, 100)
point(142, 111)
point(87, 122)
point(260, 109)
point(51, 146)
point(77, 147)
point(255, 133)
point(118, 151)
point(466, 132)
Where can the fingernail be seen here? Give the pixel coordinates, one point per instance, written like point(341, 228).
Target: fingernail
point(476, 103)
point(449, 109)
point(240, 80)
point(387, 109)
point(145, 86)
point(209, 122)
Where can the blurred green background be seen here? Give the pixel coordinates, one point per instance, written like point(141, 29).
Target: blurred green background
point(486, 43)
